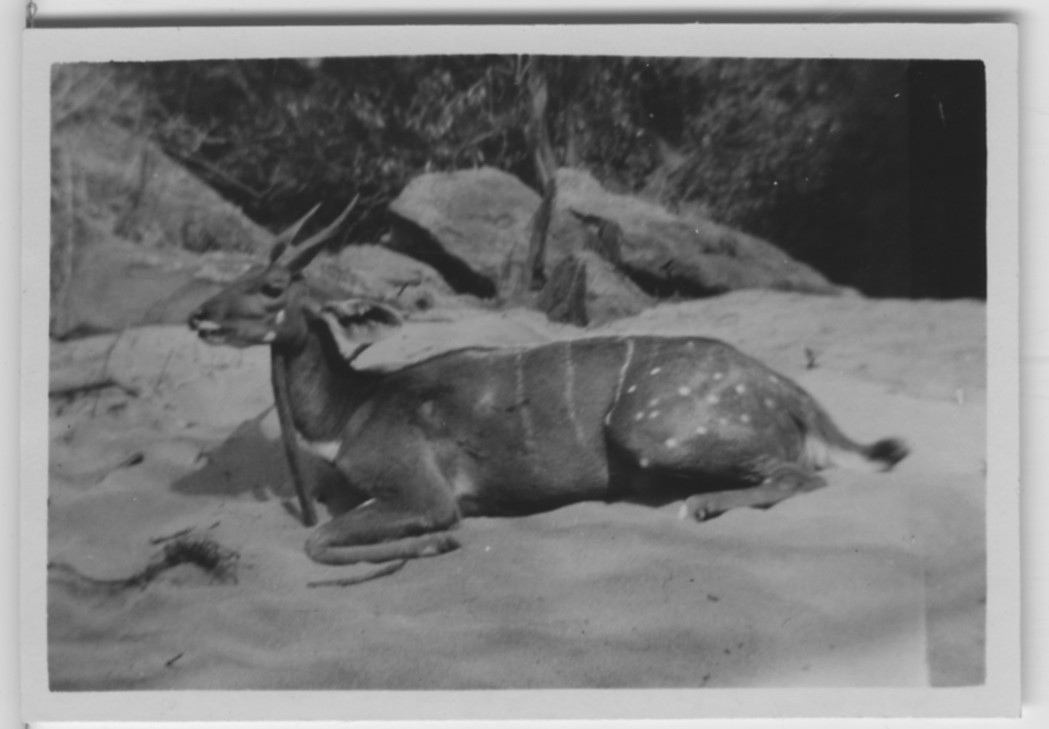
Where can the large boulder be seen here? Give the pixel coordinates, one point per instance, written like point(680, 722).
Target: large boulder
point(126, 225)
point(380, 273)
point(673, 256)
point(466, 224)
point(137, 239)
point(610, 295)
point(107, 178)
point(469, 224)
point(116, 284)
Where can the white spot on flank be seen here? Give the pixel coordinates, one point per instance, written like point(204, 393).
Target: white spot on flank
point(269, 337)
point(632, 389)
point(639, 417)
point(645, 463)
point(608, 419)
point(718, 375)
point(744, 418)
point(653, 415)
point(622, 370)
point(577, 427)
point(653, 402)
point(487, 399)
point(741, 389)
point(280, 317)
point(713, 399)
point(671, 443)
point(656, 370)
point(770, 403)
point(684, 391)
point(701, 430)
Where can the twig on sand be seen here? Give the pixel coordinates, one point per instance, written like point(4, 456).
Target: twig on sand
point(133, 460)
point(171, 661)
point(810, 359)
point(179, 533)
point(209, 555)
point(387, 569)
point(169, 537)
point(74, 388)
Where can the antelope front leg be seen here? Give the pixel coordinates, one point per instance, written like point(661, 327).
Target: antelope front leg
point(377, 532)
point(287, 434)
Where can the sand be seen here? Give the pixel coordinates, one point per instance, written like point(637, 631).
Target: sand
point(876, 580)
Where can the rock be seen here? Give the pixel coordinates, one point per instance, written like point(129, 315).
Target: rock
point(125, 219)
point(377, 272)
point(116, 285)
point(563, 297)
point(671, 256)
point(465, 224)
point(126, 185)
point(610, 295)
point(469, 224)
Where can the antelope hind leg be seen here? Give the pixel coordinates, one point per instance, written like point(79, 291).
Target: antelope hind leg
point(783, 481)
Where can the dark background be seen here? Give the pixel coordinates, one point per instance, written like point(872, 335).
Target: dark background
point(948, 179)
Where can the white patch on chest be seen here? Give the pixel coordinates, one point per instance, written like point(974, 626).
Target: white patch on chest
point(324, 449)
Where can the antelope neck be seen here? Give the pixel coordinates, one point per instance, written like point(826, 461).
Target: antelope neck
point(323, 390)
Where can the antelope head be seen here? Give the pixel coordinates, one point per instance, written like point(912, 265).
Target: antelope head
point(267, 305)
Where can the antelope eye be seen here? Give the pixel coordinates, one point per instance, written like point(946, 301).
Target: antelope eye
point(272, 290)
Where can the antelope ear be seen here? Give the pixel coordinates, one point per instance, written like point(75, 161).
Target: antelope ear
point(356, 324)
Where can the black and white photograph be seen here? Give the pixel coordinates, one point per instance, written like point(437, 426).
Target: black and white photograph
point(488, 365)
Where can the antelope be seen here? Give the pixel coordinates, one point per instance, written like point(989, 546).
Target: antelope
point(509, 432)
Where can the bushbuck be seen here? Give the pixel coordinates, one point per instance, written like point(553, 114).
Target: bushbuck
point(516, 431)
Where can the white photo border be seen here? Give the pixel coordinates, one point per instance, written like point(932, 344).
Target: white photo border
point(994, 44)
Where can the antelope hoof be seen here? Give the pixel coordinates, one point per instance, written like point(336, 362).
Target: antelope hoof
point(441, 543)
point(698, 508)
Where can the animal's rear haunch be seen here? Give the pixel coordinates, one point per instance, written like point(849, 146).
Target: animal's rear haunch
point(642, 418)
point(482, 432)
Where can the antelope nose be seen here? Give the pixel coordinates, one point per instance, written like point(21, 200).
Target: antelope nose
point(199, 321)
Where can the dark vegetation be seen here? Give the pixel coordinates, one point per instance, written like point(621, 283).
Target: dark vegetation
point(814, 155)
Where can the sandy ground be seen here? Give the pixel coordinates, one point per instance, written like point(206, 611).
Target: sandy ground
point(877, 580)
